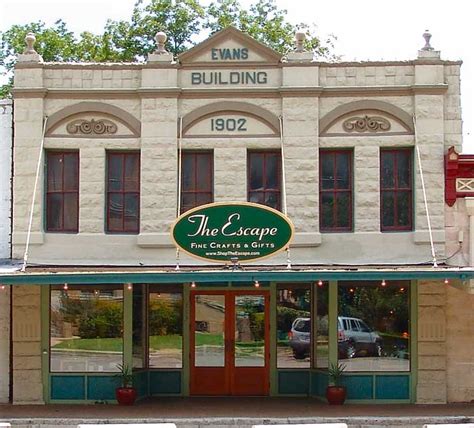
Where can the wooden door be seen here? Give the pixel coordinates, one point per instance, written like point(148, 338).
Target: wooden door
point(229, 342)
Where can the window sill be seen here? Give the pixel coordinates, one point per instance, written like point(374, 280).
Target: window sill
point(36, 238)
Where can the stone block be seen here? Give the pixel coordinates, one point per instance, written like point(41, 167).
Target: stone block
point(432, 362)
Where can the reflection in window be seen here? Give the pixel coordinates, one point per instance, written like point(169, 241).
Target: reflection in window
point(294, 327)
point(86, 328)
point(374, 326)
point(322, 314)
point(165, 323)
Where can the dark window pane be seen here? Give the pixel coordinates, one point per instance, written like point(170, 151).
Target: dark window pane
point(131, 203)
point(343, 209)
point(327, 170)
point(115, 211)
point(256, 171)
point(55, 172)
point(388, 209)
point(132, 172)
point(70, 211)
point(187, 172)
point(203, 166)
point(257, 197)
point(327, 209)
point(272, 200)
point(271, 170)
point(403, 166)
point(71, 172)
point(115, 172)
point(55, 211)
point(343, 170)
point(387, 173)
point(203, 198)
point(404, 208)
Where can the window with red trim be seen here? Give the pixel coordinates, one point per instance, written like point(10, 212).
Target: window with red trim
point(396, 189)
point(264, 178)
point(62, 191)
point(196, 179)
point(335, 190)
point(123, 192)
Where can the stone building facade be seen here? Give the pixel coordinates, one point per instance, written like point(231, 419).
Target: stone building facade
point(233, 98)
point(5, 239)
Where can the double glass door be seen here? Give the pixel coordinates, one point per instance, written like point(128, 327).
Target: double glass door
point(229, 343)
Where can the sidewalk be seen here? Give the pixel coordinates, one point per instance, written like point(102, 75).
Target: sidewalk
point(232, 408)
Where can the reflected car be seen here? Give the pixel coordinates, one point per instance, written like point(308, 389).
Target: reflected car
point(360, 340)
point(354, 338)
point(300, 339)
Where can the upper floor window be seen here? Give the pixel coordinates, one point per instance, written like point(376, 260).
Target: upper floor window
point(123, 192)
point(396, 184)
point(335, 190)
point(196, 179)
point(264, 178)
point(62, 191)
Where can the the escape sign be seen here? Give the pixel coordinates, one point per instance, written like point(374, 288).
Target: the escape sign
point(229, 232)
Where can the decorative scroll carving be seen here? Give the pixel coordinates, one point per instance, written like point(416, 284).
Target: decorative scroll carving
point(88, 127)
point(366, 124)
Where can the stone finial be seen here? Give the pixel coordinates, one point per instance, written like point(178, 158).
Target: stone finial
point(29, 54)
point(160, 39)
point(427, 37)
point(30, 40)
point(300, 37)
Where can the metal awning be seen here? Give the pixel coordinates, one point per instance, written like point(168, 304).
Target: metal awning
point(212, 274)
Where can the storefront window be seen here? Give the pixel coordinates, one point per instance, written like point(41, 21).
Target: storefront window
point(165, 324)
point(86, 328)
point(139, 326)
point(294, 327)
point(374, 325)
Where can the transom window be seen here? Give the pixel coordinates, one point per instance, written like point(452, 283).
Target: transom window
point(264, 178)
point(396, 188)
point(196, 179)
point(335, 190)
point(123, 192)
point(62, 191)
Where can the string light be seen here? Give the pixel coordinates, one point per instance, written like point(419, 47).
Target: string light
point(351, 290)
point(446, 281)
point(383, 283)
point(65, 287)
point(320, 283)
point(3, 287)
point(257, 284)
point(129, 286)
point(193, 284)
point(402, 289)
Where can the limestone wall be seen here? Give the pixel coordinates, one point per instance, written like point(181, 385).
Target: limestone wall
point(4, 344)
point(27, 377)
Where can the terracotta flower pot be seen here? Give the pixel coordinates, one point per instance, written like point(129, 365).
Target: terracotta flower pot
point(336, 394)
point(126, 396)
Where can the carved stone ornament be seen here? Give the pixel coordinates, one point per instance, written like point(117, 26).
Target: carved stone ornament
point(94, 127)
point(366, 124)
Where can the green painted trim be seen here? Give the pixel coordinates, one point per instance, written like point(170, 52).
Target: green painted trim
point(332, 355)
point(413, 339)
point(226, 276)
point(127, 326)
point(273, 378)
point(185, 373)
point(45, 354)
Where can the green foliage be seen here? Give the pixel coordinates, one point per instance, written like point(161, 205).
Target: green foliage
point(165, 317)
point(286, 316)
point(335, 373)
point(125, 375)
point(257, 325)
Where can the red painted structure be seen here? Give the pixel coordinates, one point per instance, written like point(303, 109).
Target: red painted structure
point(457, 166)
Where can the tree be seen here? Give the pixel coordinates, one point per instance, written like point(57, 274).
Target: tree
point(185, 22)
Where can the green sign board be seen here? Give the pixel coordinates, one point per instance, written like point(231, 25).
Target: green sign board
point(236, 231)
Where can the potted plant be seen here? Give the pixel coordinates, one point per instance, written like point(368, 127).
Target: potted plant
point(335, 392)
point(125, 394)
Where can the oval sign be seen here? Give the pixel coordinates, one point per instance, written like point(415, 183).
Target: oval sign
point(235, 231)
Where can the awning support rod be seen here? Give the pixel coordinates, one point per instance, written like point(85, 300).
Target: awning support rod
point(418, 155)
point(35, 187)
point(180, 162)
point(283, 185)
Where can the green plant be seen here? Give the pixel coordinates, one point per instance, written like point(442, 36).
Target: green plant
point(125, 375)
point(335, 373)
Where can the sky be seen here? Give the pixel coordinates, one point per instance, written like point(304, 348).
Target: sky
point(365, 30)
